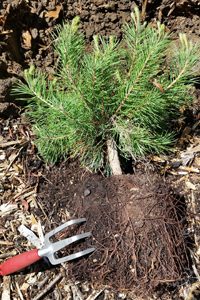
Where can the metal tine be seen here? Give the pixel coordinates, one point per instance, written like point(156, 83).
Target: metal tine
point(55, 261)
point(61, 227)
point(63, 243)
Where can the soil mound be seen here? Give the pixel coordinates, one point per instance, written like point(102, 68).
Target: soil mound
point(136, 221)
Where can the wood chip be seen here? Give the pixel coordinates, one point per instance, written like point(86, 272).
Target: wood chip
point(6, 288)
point(48, 287)
point(27, 40)
point(7, 254)
point(7, 209)
point(12, 160)
point(6, 243)
point(19, 291)
point(2, 155)
point(77, 295)
point(25, 193)
point(190, 185)
point(189, 169)
point(95, 294)
point(25, 286)
point(5, 144)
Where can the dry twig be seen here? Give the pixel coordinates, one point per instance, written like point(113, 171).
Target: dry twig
point(48, 287)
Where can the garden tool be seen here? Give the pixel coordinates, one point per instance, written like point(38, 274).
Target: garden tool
point(48, 250)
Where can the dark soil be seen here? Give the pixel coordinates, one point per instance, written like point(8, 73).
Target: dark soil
point(26, 26)
point(136, 221)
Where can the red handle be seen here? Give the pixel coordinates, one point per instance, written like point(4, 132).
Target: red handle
point(19, 262)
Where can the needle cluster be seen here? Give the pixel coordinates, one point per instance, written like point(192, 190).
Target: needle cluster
point(128, 92)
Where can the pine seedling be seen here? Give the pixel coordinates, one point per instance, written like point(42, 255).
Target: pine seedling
point(121, 97)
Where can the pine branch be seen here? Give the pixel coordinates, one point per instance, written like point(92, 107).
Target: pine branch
point(184, 60)
point(38, 89)
point(98, 82)
point(146, 50)
point(69, 44)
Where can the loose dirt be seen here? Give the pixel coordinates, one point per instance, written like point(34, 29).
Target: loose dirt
point(136, 221)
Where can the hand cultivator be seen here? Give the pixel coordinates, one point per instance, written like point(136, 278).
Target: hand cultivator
point(49, 250)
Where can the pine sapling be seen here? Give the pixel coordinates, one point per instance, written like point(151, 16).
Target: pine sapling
point(119, 98)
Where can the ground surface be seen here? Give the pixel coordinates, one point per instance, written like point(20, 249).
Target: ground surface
point(119, 210)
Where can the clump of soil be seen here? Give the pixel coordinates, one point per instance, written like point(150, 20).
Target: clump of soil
point(136, 221)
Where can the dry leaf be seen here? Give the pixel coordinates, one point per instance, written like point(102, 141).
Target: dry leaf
point(54, 13)
point(26, 38)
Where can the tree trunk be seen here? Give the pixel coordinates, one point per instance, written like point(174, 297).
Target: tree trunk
point(113, 157)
